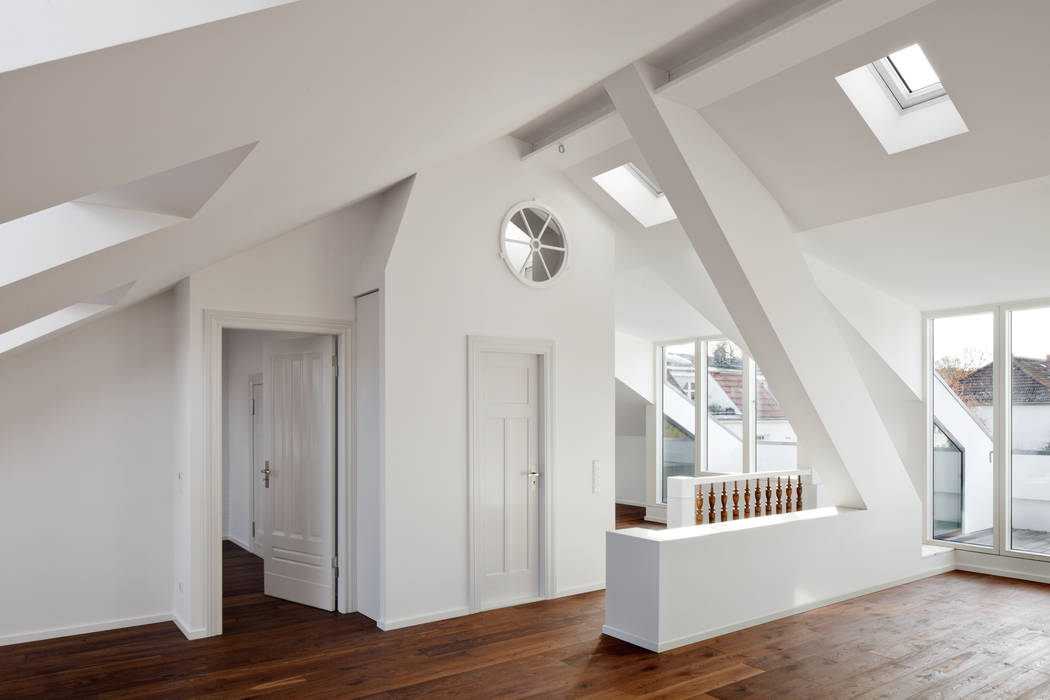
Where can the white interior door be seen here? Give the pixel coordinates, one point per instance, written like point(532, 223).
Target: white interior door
point(299, 488)
point(510, 472)
point(259, 452)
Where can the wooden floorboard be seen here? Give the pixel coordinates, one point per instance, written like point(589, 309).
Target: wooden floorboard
point(951, 636)
point(634, 516)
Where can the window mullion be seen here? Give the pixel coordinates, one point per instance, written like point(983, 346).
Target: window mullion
point(750, 424)
point(1001, 436)
point(700, 394)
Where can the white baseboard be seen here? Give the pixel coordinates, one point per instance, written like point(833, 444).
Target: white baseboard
point(1004, 573)
point(719, 631)
point(103, 626)
point(625, 502)
point(239, 542)
point(387, 625)
point(189, 633)
point(577, 590)
point(656, 514)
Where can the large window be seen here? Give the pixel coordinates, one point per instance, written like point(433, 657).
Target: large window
point(988, 404)
point(719, 414)
point(678, 441)
point(963, 428)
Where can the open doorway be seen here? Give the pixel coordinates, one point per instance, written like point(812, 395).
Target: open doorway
point(279, 466)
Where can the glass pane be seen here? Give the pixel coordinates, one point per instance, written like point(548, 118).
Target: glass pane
point(679, 430)
point(914, 68)
point(962, 508)
point(725, 401)
point(1030, 430)
point(534, 245)
point(776, 446)
point(947, 485)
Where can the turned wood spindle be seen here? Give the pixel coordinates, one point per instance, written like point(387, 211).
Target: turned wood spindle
point(699, 514)
point(736, 502)
point(758, 498)
point(769, 499)
point(747, 498)
point(787, 501)
point(780, 507)
point(798, 490)
point(711, 502)
point(725, 514)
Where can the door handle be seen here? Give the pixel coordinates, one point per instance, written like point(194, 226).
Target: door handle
point(266, 474)
point(534, 478)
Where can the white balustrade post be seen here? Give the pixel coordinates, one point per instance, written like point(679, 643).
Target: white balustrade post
point(681, 501)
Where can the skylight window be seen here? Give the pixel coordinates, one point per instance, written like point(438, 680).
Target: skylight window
point(901, 99)
point(637, 194)
point(909, 76)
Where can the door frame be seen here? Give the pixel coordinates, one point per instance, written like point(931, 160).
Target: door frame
point(253, 381)
point(215, 322)
point(544, 349)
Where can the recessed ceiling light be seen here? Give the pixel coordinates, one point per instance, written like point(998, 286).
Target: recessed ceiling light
point(637, 194)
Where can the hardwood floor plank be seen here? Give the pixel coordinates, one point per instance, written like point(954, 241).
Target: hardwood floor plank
point(954, 635)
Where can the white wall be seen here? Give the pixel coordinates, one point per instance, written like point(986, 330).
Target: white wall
point(85, 463)
point(444, 282)
point(242, 356)
point(635, 363)
point(313, 271)
point(368, 446)
point(632, 424)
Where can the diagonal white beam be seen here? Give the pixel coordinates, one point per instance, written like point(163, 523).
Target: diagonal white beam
point(746, 245)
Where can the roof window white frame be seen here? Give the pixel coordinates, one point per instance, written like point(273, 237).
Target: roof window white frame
point(899, 90)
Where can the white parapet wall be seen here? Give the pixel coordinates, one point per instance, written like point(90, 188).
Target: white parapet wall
point(669, 588)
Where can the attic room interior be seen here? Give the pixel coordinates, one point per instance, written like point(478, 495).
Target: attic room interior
point(499, 349)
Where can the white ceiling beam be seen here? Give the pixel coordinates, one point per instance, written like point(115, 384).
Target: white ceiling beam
point(747, 247)
point(754, 52)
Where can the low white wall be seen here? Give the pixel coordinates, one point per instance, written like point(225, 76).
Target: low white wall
point(669, 588)
point(85, 464)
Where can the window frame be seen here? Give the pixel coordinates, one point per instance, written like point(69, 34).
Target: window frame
point(1002, 439)
point(701, 409)
point(905, 97)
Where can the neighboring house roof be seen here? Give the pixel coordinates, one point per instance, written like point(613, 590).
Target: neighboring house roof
point(1030, 378)
point(732, 384)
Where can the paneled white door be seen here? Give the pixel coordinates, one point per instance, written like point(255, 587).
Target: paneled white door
point(299, 488)
point(509, 478)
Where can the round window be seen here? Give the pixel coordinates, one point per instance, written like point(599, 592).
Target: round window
point(532, 243)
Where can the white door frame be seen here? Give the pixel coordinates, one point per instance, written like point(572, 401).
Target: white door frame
point(476, 345)
point(253, 380)
point(215, 321)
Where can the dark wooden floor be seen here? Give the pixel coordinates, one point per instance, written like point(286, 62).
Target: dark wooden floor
point(955, 635)
point(634, 516)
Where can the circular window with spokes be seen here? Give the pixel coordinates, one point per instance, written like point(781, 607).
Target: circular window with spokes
point(532, 243)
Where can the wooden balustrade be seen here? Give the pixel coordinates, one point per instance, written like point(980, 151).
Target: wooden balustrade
point(712, 504)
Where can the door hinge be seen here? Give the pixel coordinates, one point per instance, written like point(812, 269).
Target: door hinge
point(335, 365)
point(253, 529)
point(253, 407)
point(335, 566)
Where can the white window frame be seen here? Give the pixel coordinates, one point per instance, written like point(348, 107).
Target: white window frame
point(1001, 430)
point(700, 417)
point(902, 95)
